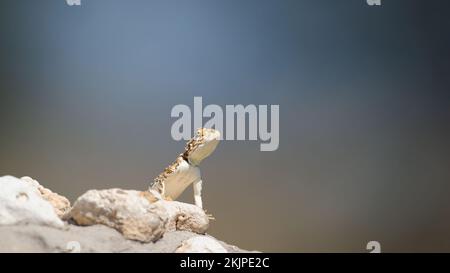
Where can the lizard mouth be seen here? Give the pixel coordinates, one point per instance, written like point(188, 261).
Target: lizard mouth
point(208, 134)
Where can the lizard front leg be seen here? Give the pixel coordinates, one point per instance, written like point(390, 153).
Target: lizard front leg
point(198, 193)
point(198, 197)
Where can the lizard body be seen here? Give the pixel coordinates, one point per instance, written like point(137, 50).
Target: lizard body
point(184, 171)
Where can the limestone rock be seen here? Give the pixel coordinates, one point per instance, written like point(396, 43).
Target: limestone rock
point(183, 216)
point(87, 239)
point(60, 203)
point(201, 244)
point(130, 212)
point(21, 204)
point(137, 215)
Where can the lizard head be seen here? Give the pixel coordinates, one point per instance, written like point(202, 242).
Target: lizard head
point(201, 145)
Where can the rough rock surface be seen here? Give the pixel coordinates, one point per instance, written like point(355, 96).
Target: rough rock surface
point(137, 215)
point(60, 203)
point(183, 216)
point(127, 211)
point(29, 222)
point(21, 204)
point(97, 238)
point(201, 244)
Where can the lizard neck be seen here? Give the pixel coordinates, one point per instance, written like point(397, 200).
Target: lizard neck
point(191, 159)
point(196, 157)
point(193, 162)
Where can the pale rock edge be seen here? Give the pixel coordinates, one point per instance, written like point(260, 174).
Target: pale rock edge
point(35, 219)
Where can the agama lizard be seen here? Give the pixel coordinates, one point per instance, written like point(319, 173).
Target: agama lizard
point(184, 171)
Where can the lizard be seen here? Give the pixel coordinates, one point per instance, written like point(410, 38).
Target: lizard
point(185, 170)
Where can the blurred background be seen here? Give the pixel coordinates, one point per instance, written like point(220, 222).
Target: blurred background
point(364, 95)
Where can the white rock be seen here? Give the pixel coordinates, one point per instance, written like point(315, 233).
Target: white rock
point(21, 204)
point(60, 203)
point(183, 216)
point(201, 244)
point(138, 215)
point(132, 213)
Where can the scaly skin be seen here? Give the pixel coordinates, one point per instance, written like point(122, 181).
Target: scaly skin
point(184, 171)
